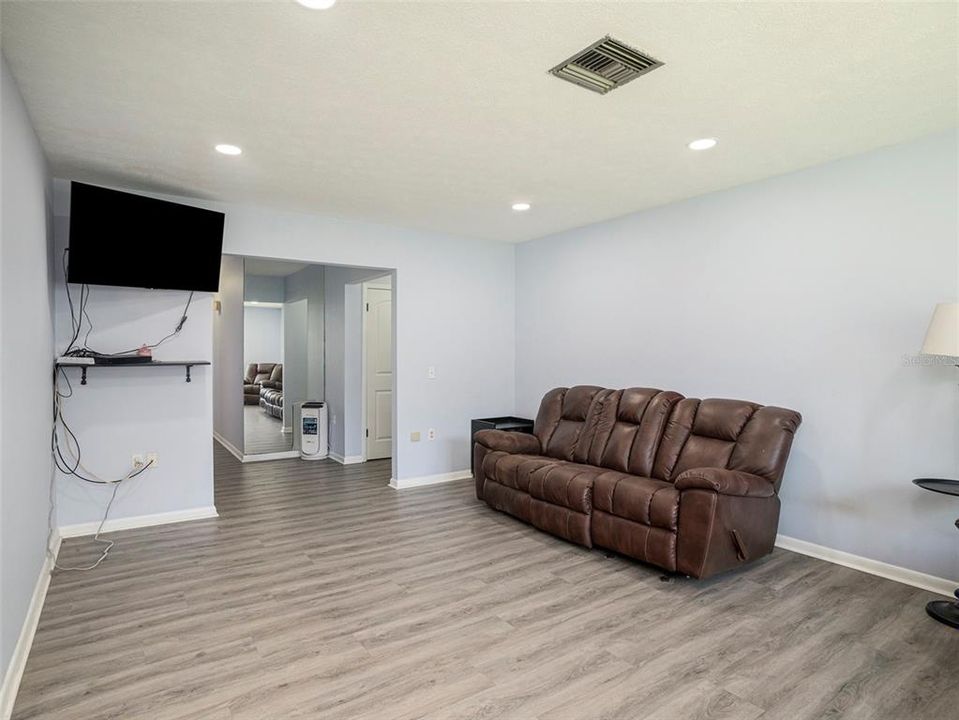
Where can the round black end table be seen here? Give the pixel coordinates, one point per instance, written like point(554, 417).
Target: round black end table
point(945, 611)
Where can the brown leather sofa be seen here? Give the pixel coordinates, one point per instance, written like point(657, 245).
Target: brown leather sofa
point(688, 485)
point(256, 375)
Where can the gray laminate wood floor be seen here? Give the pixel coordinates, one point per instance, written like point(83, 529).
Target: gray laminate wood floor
point(322, 593)
point(263, 433)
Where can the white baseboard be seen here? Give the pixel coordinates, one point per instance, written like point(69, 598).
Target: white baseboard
point(263, 457)
point(139, 521)
point(228, 446)
point(404, 483)
point(346, 459)
point(867, 565)
point(18, 661)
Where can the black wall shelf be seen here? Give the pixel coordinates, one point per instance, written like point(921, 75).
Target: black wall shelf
point(186, 364)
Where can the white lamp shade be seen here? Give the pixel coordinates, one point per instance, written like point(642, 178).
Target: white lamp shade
point(942, 337)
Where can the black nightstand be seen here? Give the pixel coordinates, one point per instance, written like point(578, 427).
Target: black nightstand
point(507, 422)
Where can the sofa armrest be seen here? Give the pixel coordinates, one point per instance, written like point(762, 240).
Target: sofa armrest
point(725, 482)
point(510, 442)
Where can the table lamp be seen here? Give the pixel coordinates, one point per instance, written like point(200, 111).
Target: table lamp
point(942, 336)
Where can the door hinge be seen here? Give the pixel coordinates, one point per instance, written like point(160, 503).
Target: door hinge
point(367, 307)
point(367, 432)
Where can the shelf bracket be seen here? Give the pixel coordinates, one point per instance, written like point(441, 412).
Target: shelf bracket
point(188, 373)
point(83, 374)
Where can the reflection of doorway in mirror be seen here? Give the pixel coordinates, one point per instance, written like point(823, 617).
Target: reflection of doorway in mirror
point(263, 383)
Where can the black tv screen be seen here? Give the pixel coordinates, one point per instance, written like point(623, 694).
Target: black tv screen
point(118, 238)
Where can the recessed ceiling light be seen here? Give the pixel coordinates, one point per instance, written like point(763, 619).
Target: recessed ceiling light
point(703, 144)
point(228, 149)
point(317, 4)
point(521, 207)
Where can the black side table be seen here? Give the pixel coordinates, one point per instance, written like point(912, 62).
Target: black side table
point(945, 611)
point(506, 422)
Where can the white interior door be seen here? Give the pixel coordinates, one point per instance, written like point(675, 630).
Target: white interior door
point(379, 373)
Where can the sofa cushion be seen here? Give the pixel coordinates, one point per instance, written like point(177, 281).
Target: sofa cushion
point(569, 485)
point(763, 444)
point(261, 371)
point(640, 499)
point(511, 442)
point(513, 471)
point(566, 421)
point(271, 396)
point(723, 434)
point(630, 428)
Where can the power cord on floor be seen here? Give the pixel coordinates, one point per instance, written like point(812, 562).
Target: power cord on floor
point(96, 537)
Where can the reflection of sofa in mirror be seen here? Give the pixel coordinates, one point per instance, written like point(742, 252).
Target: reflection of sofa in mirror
point(258, 376)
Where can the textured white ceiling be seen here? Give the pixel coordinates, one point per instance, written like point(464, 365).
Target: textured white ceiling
point(440, 115)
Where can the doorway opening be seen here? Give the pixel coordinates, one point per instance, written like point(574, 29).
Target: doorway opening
point(304, 332)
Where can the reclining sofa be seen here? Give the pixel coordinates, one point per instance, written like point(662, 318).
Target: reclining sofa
point(688, 485)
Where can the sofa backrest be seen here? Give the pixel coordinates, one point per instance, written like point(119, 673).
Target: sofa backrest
point(565, 423)
point(730, 434)
point(629, 428)
point(262, 371)
point(661, 434)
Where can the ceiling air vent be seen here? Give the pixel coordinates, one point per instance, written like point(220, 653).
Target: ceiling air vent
point(605, 65)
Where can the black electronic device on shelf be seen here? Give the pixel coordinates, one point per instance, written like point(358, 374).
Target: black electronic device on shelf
point(121, 359)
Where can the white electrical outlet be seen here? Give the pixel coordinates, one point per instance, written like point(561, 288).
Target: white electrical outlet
point(431, 372)
point(138, 462)
point(431, 434)
point(153, 459)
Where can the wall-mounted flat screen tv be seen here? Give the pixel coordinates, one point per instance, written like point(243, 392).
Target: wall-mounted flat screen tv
point(128, 240)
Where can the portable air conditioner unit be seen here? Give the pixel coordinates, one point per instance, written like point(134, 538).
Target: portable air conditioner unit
point(313, 431)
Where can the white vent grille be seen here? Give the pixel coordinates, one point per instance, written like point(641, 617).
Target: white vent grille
point(605, 65)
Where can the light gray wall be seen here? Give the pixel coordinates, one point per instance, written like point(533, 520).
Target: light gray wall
point(26, 354)
point(307, 284)
point(438, 283)
point(344, 359)
point(262, 335)
point(807, 290)
point(228, 366)
point(139, 410)
point(264, 288)
point(454, 309)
